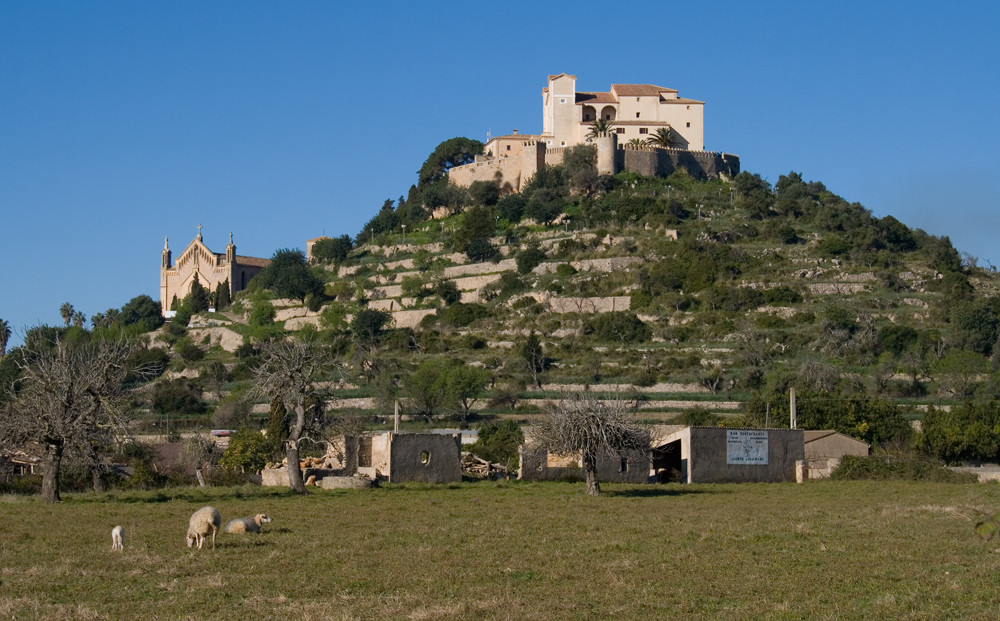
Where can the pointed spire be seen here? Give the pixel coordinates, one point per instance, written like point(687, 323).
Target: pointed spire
point(165, 255)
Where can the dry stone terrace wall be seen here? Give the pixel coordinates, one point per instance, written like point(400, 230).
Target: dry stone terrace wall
point(221, 336)
point(410, 318)
point(584, 305)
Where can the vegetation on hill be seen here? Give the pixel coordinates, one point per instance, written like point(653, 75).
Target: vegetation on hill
point(695, 299)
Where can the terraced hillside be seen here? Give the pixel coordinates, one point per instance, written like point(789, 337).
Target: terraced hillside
point(699, 299)
point(703, 301)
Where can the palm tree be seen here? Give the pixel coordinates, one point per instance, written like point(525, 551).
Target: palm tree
point(4, 337)
point(598, 129)
point(664, 137)
point(636, 142)
point(66, 310)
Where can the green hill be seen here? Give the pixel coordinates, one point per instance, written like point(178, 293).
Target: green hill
point(703, 300)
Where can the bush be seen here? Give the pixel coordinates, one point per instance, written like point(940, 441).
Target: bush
point(448, 291)
point(565, 270)
point(248, 451)
point(618, 327)
point(529, 258)
point(498, 443)
point(262, 314)
point(178, 396)
point(906, 468)
point(189, 351)
point(460, 314)
point(699, 417)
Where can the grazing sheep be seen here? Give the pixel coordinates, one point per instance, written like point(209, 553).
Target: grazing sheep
point(247, 524)
point(117, 538)
point(203, 522)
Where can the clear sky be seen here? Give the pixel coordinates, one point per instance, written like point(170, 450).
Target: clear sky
point(124, 122)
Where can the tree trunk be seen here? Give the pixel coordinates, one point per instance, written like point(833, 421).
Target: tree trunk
point(51, 461)
point(294, 471)
point(590, 471)
point(97, 476)
point(292, 450)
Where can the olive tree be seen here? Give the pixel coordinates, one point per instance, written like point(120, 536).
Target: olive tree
point(290, 374)
point(69, 398)
point(591, 427)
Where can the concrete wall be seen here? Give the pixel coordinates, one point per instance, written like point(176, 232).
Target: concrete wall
point(704, 456)
point(537, 465)
point(425, 457)
point(831, 444)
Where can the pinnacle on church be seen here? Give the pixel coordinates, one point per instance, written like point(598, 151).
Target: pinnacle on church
point(199, 233)
point(165, 246)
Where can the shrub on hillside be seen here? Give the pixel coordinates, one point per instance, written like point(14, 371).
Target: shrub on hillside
point(529, 258)
point(459, 315)
point(619, 326)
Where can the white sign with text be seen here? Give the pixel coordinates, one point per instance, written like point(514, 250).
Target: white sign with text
point(746, 447)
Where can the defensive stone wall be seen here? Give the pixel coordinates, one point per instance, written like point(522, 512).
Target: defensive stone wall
point(660, 162)
point(612, 158)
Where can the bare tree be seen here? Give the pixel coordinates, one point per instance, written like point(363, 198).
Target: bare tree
point(290, 374)
point(584, 424)
point(4, 337)
point(70, 398)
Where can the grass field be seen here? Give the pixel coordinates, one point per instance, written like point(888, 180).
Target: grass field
point(825, 550)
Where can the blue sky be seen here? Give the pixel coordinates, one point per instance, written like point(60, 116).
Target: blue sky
point(124, 122)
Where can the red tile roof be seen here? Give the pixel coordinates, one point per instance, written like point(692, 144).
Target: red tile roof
point(639, 90)
point(595, 98)
point(253, 261)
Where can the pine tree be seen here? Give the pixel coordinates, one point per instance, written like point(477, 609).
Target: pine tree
point(222, 297)
point(197, 300)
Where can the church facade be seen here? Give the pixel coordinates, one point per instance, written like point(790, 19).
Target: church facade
point(211, 269)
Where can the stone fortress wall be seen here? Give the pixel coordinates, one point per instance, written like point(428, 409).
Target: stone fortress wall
point(612, 159)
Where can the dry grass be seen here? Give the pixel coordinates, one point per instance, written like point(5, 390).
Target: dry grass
point(513, 551)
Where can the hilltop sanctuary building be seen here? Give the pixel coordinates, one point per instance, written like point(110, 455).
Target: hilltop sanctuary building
point(634, 112)
point(211, 269)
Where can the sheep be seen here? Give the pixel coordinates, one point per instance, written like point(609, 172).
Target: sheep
point(117, 538)
point(247, 524)
point(203, 522)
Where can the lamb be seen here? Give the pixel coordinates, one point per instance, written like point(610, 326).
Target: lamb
point(117, 538)
point(203, 522)
point(247, 524)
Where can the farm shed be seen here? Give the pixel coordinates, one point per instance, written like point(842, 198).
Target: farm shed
point(722, 455)
point(536, 464)
point(824, 448)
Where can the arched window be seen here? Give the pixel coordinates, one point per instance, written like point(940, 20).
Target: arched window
point(589, 114)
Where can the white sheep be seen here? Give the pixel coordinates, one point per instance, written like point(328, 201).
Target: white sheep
point(117, 538)
point(203, 522)
point(247, 524)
